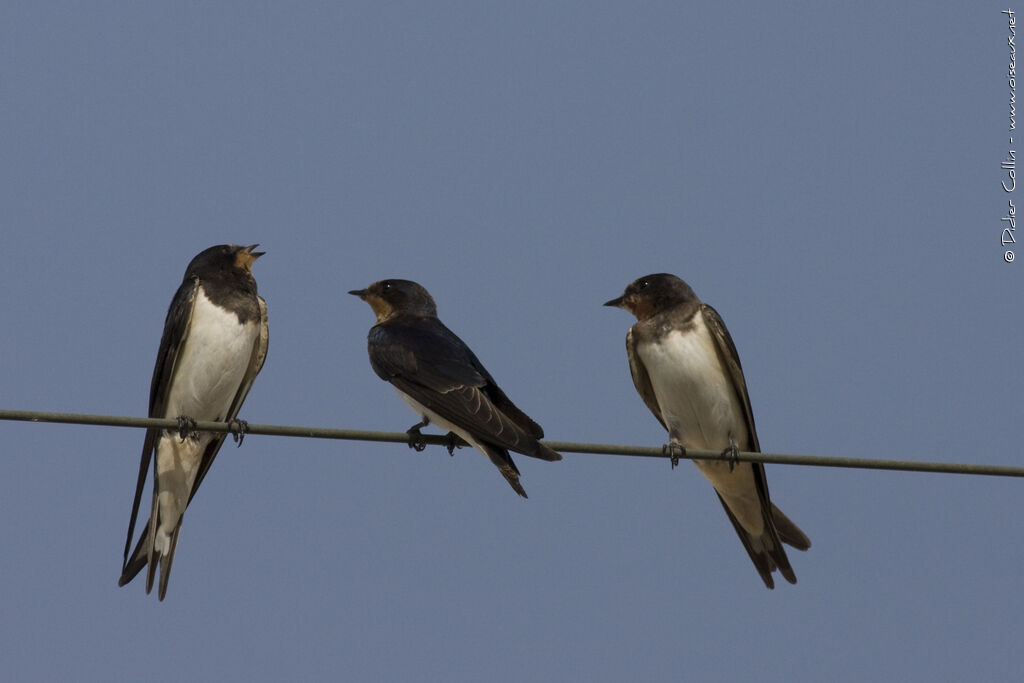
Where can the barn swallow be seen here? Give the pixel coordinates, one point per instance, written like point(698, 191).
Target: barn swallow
point(214, 344)
point(443, 381)
point(686, 369)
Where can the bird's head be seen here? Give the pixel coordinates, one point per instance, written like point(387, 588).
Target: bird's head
point(649, 295)
point(389, 298)
point(223, 259)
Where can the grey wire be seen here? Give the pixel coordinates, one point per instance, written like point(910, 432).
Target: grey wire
point(561, 446)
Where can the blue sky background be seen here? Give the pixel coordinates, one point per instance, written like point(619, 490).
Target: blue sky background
point(826, 176)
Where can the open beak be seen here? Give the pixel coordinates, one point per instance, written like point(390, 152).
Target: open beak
point(246, 257)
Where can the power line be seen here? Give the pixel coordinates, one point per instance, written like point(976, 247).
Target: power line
point(562, 446)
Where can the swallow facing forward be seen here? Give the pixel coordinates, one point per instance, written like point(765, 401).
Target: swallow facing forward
point(442, 380)
point(214, 344)
point(687, 371)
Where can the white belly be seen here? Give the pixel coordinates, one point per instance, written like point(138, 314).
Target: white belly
point(210, 368)
point(702, 411)
point(212, 364)
point(698, 402)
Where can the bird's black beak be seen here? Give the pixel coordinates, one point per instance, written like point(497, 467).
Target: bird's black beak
point(361, 293)
point(614, 302)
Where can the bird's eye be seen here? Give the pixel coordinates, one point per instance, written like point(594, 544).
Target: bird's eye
point(643, 284)
point(386, 286)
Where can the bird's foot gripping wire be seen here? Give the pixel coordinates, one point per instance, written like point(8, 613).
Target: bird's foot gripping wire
point(674, 451)
point(237, 428)
point(187, 428)
point(452, 442)
point(731, 455)
point(416, 440)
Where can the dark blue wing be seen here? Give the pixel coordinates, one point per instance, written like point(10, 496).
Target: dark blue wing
point(175, 330)
point(427, 361)
point(425, 351)
point(772, 555)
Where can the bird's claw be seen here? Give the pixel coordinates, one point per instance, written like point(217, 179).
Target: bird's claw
point(451, 443)
point(731, 454)
point(237, 428)
point(187, 428)
point(674, 451)
point(416, 440)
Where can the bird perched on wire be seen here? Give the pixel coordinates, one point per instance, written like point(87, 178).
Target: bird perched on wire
point(214, 344)
point(443, 381)
point(686, 369)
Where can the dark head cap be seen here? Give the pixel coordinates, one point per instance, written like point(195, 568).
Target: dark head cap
point(389, 298)
point(223, 259)
point(652, 294)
